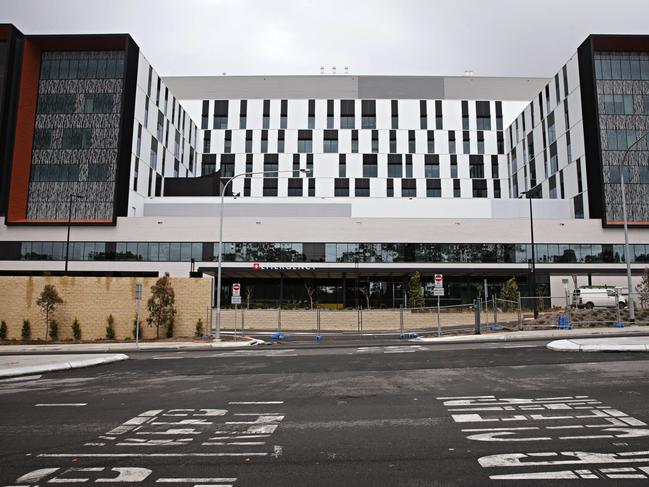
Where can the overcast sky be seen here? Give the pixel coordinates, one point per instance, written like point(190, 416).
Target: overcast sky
point(416, 37)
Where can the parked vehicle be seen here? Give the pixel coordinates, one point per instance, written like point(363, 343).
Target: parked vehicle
point(589, 297)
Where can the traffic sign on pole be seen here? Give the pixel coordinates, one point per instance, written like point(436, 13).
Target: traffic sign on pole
point(438, 291)
point(236, 289)
point(439, 280)
point(236, 300)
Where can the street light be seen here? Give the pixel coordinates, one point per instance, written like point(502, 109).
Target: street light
point(533, 271)
point(222, 205)
point(627, 257)
point(67, 242)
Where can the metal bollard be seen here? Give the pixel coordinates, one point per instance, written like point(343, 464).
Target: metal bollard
point(476, 305)
point(243, 319)
point(317, 316)
point(617, 306)
point(439, 320)
point(361, 322)
point(520, 316)
point(495, 310)
point(401, 320)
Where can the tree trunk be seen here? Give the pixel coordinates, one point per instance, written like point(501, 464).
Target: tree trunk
point(157, 331)
point(47, 323)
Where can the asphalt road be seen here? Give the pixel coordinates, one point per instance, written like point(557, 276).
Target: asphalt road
point(401, 415)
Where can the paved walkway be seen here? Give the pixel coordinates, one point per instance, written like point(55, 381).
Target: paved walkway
point(16, 365)
point(125, 346)
point(608, 344)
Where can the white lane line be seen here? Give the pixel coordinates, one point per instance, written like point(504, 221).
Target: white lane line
point(195, 481)
point(62, 404)
point(133, 455)
point(520, 346)
point(254, 402)
point(21, 379)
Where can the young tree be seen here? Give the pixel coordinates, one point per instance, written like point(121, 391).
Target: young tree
point(48, 302)
point(510, 292)
point(415, 291)
point(366, 294)
point(161, 304)
point(310, 291)
point(3, 330)
point(643, 289)
point(249, 290)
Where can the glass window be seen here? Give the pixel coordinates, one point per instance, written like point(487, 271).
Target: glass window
point(185, 252)
point(304, 145)
point(98, 103)
point(76, 138)
point(174, 252)
point(154, 251)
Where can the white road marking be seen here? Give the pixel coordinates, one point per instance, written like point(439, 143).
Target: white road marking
point(24, 378)
point(580, 457)
point(566, 474)
point(128, 474)
point(277, 451)
point(36, 475)
point(69, 404)
point(255, 402)
point(133, 455)
point(195, 481)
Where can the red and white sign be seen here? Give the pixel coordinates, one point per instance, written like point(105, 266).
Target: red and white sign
point(256, 266)
point(236, 289)
point(439, 280)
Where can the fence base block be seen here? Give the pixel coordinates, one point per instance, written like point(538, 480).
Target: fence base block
point(618, 325)
point(496, 327)
point(318, 338)
point(278, 336)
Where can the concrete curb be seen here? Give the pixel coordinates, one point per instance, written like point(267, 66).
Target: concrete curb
point(571, 346)
point(248, 343)
point(65, 365)
point(531, 336)
point(120, 347)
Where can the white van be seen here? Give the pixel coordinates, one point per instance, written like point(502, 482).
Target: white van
point(590, 297)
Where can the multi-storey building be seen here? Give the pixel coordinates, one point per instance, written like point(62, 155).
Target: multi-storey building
point(340, 183)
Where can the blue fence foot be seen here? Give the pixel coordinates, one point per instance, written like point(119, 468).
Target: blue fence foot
point(618, 325)
point(495, 327)
point(278, 336)
point(318, 338)
point(402, 336)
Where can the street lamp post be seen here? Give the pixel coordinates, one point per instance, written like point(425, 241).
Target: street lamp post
point(533, 266)
point(67, 241)
point(627, 254)
point(220, 255)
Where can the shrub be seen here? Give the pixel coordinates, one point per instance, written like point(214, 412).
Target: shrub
point(170, 328)
point(26, 332)
point(137, 324)
point(110, 327)
point(199, 328)
point(76, 329)
point(54, 330)
point(3, 330)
